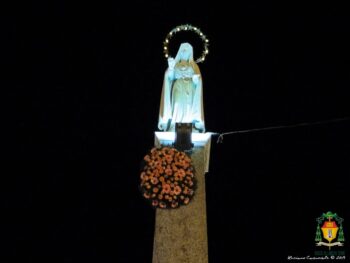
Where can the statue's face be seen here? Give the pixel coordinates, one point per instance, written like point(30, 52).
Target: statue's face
point(185, 52)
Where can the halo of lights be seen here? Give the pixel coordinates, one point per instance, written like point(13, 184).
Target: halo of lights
point(187, 27)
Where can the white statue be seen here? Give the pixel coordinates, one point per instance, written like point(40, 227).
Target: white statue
point(182, 92)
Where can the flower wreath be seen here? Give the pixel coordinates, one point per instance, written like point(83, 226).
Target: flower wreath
point(167, 178)
point(187, 27)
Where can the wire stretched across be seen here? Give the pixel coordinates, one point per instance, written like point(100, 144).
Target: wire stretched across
point(221, 135)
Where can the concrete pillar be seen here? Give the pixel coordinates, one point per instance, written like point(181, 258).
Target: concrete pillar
point(181, 234)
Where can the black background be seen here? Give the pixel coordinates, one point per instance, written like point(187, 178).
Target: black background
point(82, 85)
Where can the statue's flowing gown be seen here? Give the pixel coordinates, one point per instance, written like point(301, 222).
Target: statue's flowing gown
point(182, 93)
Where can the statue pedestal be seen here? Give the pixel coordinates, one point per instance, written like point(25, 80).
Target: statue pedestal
point(181, 233)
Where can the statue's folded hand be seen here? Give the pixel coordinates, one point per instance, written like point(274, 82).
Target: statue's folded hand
point(195, 78)
point(171, 63)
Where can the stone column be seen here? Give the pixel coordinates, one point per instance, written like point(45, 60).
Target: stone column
point(181, 234)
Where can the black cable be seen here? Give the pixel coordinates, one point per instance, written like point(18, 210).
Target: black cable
point(221, 135)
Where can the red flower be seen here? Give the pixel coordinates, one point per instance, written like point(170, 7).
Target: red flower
point(177, 190)
point(160, 169)
point(181, 173)
point(166, 188)
point(154, 180)
point(168, 170)
point(168, 159)
point(143, 176)
point(162, 205)
point(186, 201)
point(174, 204)
point(165, 150)
point(147, 158)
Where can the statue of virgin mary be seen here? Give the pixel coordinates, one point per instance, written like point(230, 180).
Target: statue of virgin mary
point(182, 92)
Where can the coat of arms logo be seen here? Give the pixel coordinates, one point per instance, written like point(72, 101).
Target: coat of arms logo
point(330, 225)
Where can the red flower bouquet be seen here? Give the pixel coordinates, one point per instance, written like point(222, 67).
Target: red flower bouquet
point(167, 178)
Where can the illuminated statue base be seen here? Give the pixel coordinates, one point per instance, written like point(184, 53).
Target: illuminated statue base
point(181, 233)
point(199, 140)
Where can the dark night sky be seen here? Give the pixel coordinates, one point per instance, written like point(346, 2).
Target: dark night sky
point(81, 105)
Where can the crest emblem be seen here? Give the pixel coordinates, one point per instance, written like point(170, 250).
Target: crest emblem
point(329, 228)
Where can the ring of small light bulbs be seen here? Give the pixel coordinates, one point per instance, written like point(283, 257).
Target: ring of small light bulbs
point(191, 28)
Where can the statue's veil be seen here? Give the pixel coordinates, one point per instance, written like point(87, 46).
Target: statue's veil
point(181, 48)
